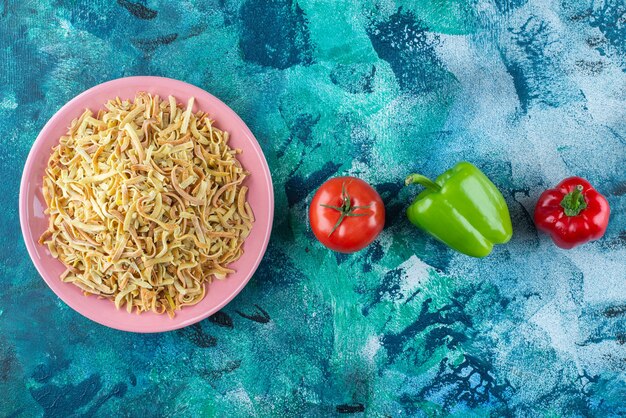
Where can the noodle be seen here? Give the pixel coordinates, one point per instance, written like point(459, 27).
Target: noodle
point(146, 204)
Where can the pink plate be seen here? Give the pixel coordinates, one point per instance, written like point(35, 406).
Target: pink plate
point(260, 196)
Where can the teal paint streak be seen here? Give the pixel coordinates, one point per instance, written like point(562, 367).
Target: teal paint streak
point(405, 327)
point(275, 34)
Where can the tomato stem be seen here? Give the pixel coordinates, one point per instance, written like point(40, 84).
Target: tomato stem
point(346, 209)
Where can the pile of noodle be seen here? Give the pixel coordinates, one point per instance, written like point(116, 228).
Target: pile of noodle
point(146, 204)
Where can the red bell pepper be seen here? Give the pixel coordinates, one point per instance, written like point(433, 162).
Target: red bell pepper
point(572, 213)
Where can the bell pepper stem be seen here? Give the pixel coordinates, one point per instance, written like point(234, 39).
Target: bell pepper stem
point(574, 202)
point(424, 181)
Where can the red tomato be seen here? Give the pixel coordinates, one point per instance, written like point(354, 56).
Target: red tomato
point(358, 205)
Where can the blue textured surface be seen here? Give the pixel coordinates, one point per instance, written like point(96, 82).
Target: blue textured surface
point(530, 91)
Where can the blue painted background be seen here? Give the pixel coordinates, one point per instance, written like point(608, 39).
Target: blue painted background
point(531, 91)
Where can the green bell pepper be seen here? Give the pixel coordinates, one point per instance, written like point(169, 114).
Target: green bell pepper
point(463, 209)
